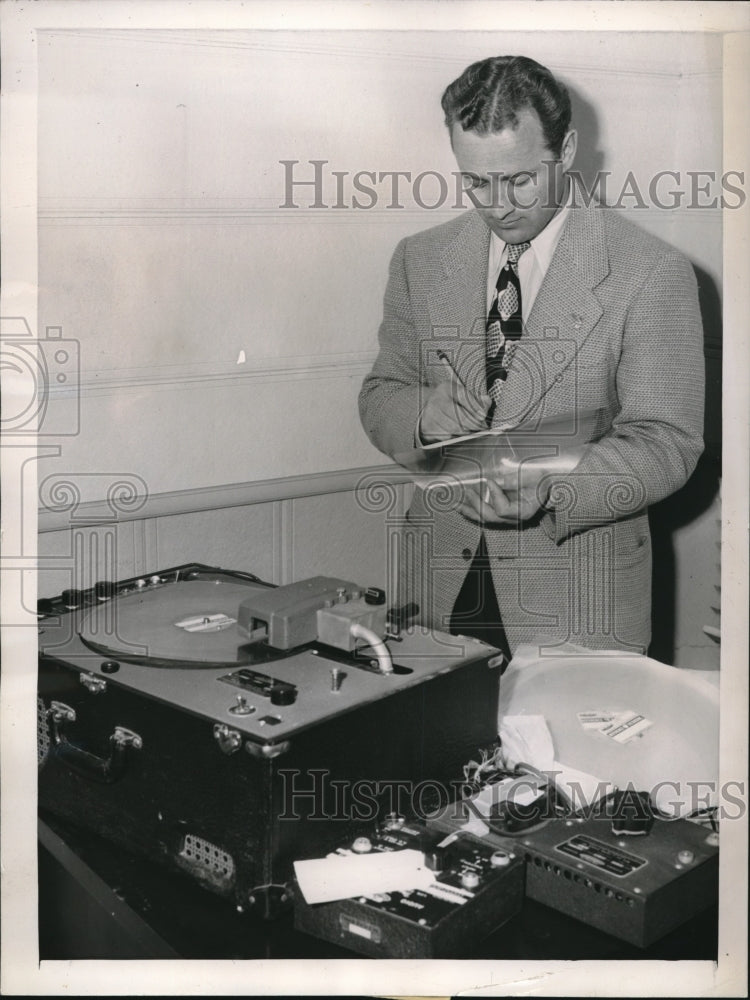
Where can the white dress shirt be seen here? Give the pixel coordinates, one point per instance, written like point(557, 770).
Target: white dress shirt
point(533, 264)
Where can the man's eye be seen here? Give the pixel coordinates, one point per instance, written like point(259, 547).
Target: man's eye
point(523, 180)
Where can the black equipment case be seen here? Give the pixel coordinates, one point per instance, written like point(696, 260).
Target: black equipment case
point(229, 761)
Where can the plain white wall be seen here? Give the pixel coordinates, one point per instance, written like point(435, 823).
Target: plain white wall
point(164, 251)
point(223, 338)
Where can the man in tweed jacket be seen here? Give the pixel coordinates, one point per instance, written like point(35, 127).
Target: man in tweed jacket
point(612, 326)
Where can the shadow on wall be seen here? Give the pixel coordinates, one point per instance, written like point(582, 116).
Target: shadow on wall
point(700, 490)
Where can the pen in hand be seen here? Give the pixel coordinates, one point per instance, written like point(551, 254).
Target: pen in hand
point(451, 410)
point(447, 363)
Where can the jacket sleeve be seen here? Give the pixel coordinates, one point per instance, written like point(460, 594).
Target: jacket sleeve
point(655, 438)
point(392, 395)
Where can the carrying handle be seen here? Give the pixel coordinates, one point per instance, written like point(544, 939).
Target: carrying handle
point(105, 770)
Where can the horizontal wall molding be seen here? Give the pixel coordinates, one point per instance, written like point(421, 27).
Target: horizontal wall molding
point(446, 46)
point(375, 483)
point(239, 213)
point(221, 376)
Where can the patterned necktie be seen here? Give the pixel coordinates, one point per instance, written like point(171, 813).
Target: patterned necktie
point(504, 321)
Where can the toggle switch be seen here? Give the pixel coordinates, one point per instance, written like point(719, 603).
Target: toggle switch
point(241, 707)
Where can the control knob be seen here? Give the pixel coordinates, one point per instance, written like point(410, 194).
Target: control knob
point(469, 879)
point(499, 859)
point(283, 694)
point(104, 589)
point(72, 598)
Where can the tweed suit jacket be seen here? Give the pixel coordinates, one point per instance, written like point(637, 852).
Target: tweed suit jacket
point(615, 328)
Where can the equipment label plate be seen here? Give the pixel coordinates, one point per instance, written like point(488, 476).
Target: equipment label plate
point(600, 855)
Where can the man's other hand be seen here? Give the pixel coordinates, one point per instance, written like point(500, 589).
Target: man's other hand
point(451, 410)
point(513, 497)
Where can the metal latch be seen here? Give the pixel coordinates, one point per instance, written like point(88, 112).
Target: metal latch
point(93, 683)
point(229, 740)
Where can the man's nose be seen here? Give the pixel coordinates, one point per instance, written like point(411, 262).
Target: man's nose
point(498, 202)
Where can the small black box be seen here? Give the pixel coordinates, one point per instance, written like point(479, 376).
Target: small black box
point(479, 888)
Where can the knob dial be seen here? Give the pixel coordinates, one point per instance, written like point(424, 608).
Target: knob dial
point(499, 859)
point(283, 694)
point(104, 589)
point(72, 598)
point(469, 880)
point(362, 845)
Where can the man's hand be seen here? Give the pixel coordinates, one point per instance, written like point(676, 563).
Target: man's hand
point(451, 410)
point(515, 495)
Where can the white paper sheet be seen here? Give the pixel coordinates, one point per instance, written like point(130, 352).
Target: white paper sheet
point(321, 880)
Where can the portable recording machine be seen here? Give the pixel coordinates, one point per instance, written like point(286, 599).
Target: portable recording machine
point(225, 728)
point(616, 866)
point(476, 887)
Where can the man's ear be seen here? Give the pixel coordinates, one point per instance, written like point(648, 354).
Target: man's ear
point(568, 149)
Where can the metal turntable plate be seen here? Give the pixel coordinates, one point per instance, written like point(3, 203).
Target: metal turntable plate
point(188, 623)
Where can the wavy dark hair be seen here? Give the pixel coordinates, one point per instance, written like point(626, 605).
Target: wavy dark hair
point(489, 94)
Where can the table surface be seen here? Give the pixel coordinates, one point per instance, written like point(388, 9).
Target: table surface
point(160, 914)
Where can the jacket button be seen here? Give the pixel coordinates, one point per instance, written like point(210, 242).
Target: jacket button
point(466, 554)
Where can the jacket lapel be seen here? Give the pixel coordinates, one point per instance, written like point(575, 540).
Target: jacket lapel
point(565, 312)
point(458, 302)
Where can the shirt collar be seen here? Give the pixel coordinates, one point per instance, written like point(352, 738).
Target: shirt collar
point(545, 243)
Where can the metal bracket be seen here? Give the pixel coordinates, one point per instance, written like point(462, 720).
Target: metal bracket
point(93, 683)
point(267, 751)
point(229, 740)
point(269, 900)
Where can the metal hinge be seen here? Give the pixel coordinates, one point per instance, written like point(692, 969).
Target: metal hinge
point(61, 712)
point(127, 738)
